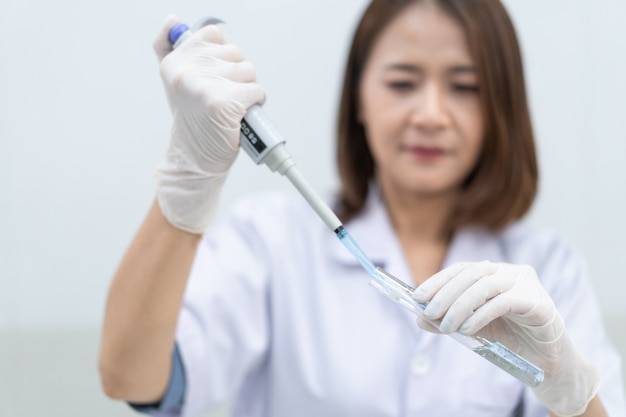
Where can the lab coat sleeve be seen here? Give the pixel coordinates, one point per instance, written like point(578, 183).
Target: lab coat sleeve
point(564, 274)
point(223, 330)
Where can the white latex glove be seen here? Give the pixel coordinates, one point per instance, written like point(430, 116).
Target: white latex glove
point(507, 303)
point(209, 88)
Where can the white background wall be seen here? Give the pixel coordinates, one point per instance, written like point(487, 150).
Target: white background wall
point(83, 123)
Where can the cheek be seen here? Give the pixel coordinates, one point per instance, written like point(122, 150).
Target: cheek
point(369, 104)
point(377, 105)
point(374, 136)
point(475, 140)
point(377, 119)
point(472, 129)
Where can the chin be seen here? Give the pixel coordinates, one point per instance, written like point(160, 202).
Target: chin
point(432, 190)
point(424, 186)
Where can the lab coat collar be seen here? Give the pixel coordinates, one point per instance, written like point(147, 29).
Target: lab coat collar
point(473, 244)
point(373, 231)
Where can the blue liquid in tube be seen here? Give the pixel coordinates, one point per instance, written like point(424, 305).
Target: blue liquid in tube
point(349, 242)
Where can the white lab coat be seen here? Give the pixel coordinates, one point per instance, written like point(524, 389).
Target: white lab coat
point(279, 320)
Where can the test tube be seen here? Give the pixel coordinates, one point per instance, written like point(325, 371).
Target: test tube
point(493, 351)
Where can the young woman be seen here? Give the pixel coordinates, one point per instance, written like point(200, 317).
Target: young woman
point(271, 314)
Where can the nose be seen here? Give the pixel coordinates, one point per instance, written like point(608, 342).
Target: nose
point(429, 111)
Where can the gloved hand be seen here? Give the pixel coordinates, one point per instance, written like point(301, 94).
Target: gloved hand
point(507, 303)
point(209, 88)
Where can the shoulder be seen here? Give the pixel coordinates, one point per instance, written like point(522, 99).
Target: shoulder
point(524, 242)
point(520, 243)
point(554, 258)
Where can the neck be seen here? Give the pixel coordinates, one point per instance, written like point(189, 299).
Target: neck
point(417, 217)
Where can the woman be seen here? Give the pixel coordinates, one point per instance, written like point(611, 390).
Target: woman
point(437, 164)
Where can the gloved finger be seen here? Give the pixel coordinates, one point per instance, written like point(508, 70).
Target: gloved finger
point(475, 297)
point(514, 292)
point(249, 94)
point(214, 54)
point(207, 34)
point(495, 308)
point(539, 314)
point(162, 45)
point(229, 113)
point(429, 288)
point(238, 72)
point(427, 325)
point(551, 328)
point(241, 72)
point(449, 293)
point(531, 299)
point(514, 289)
point(227, 52)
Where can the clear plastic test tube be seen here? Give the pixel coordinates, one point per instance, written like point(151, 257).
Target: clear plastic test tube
point(495, 352)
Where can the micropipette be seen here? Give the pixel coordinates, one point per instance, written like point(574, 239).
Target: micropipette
point(265, 145)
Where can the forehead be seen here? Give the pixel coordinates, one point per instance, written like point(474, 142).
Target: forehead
point(422, 31)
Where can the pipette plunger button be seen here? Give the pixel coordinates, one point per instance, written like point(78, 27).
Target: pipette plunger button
point(177, 31)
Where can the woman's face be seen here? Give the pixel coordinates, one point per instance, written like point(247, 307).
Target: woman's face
point(419, 103)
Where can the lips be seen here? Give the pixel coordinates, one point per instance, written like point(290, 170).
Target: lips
point(426, 152)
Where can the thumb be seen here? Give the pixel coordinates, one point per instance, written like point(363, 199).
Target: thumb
point(162, 45)
point(428, 325)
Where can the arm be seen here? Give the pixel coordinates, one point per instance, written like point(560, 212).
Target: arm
point(209, 88)
point(142, 310)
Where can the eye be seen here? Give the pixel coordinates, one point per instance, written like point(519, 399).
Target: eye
point(401, 85)
point(465, 88)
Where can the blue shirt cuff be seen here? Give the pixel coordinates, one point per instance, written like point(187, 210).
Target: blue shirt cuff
point(175, 394)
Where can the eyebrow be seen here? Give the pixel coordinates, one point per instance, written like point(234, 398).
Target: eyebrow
point(463, 69)
point(405, 68)
point(458, 69)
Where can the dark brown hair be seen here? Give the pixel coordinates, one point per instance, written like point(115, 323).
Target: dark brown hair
point(503, 185)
